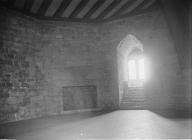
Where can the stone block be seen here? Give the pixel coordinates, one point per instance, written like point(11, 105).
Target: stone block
point(12, 101)
point(4, 95)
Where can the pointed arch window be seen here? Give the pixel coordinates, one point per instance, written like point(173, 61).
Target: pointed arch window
point(136, 70)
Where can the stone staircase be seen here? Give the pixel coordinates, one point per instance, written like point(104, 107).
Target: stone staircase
point(133, 98)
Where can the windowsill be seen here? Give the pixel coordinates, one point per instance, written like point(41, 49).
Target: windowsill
point(135, 83)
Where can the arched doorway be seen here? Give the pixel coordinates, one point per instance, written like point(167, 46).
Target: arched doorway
point(131, 73)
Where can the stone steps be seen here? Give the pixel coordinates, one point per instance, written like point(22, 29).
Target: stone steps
point(134, 107)
point(133, 98)
point(134, 104)
point(133, 101)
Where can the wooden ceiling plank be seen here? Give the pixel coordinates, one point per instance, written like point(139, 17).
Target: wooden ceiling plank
point(10, 3)
point(149, 4)
point(81, 5)
point(143, 11)
point(115, 9)
point(152, 8)
point(53, 7)
point(94, 8)
point(124, 7)
point(101, 9)
point(3, 0)
point(48, 18)
point(36, 5)
point(19, 4)
point(109, 8)
point(134, 6)
point(70, 8)
point(27, 6)
point(138, 9)
point(82, 10)
point(86, 8)
point(43, 8)
point(112, 18)
point(141, 5)
point(62, 7)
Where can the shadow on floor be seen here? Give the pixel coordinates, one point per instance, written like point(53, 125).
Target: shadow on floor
point(173, 113)
point(9, 130)
point(119, 124)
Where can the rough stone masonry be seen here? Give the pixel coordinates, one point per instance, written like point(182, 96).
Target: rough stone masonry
point(39, 58)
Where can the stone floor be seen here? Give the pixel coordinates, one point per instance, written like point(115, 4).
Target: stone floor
point(121, 124)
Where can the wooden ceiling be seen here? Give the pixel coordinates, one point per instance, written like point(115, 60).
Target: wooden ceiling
point(81, 10)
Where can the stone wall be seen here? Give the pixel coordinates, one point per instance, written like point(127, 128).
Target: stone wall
point(79, 97)
point(168, 85)
point(22, 81)
point(39, 58)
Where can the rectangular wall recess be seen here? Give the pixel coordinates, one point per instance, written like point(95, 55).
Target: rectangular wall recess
point(79, 97)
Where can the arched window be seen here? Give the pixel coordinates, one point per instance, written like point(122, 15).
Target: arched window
point(136, 69)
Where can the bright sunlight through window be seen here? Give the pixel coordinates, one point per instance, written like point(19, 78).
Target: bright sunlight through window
point(132, 69)
point(136, 69)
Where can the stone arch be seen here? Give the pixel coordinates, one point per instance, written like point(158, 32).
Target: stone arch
point(124, 49)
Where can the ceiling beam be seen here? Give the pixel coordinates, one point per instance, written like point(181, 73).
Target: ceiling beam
point(53, 7)
point(43, 8)
point(62, 7)
point(10, 3)
point(132, 7)
point(19, 4)
point(149, 4)
point(45, 5)
point(80, 6)
point(152, 8)
point(27, 6)
point(94, 8)
point(138, 8)
point(86, 8)
point(36, 5)
point(109, 8)
point(130, 2)
point(111, 13)
point(88, 20)
point(71, 8)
